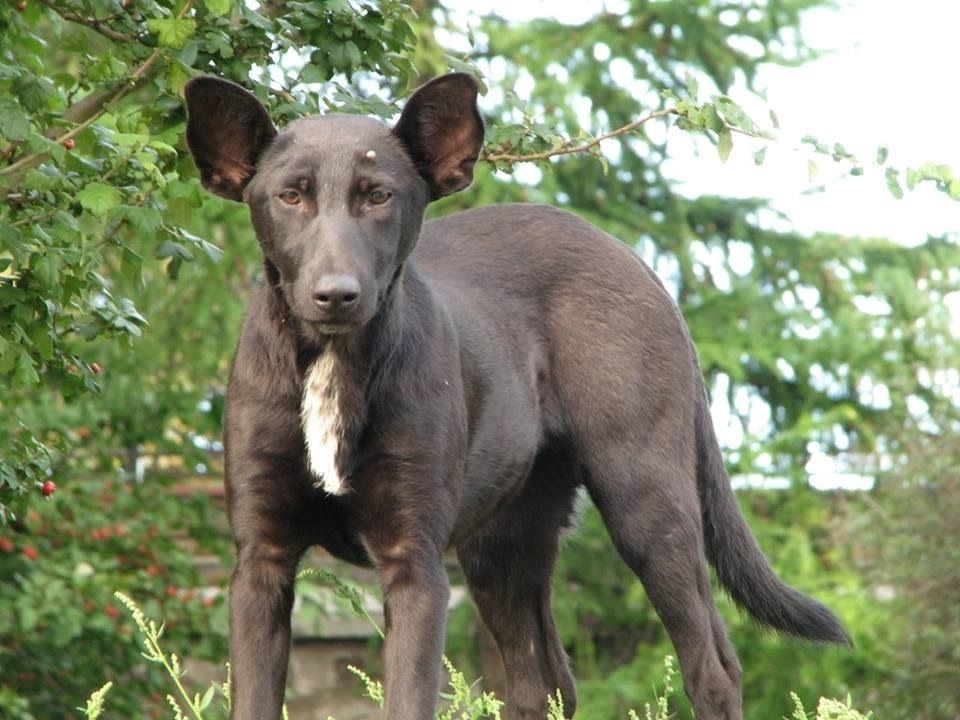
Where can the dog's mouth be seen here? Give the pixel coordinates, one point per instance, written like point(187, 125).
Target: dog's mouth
point(340, 324)
point(333, 328)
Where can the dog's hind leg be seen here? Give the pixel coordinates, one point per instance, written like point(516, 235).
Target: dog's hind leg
point(508, 565)
point(646, 493)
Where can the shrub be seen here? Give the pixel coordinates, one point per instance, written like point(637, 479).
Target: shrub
point(62, 632)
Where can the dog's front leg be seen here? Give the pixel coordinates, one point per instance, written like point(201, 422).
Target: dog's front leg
point(415, 595)
point(261, 599)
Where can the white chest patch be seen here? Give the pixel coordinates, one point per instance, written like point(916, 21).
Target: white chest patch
point(323, 424)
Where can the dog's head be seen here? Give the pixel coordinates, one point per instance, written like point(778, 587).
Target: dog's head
point(336, 201)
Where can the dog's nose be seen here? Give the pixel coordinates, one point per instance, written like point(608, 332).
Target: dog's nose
point(336, 292)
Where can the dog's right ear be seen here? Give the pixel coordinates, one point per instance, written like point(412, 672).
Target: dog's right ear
point(227, 130)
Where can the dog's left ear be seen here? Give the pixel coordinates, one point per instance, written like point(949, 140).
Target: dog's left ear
point(443, 132)
point(227, 130)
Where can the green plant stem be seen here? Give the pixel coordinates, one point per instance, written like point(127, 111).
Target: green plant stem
point(173, 674)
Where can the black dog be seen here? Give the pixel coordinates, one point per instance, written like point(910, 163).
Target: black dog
point(401, 388)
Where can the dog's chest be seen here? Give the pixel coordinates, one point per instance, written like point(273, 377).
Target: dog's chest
point(324, 425)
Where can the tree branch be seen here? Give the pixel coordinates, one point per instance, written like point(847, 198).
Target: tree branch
point(569, 149)
point(95, 24)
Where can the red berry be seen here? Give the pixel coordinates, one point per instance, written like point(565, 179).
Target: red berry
point(49, 488)
point(69, 143)
point(95, 368)
point(111, 611)
point(22, 5)
point(72, 369)
point(6, 544)
point(30, 552)
point(171, 591)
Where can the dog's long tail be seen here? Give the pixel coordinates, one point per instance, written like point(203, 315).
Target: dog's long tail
point(742, 568)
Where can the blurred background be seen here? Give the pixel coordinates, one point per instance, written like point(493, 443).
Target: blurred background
point(800, 205)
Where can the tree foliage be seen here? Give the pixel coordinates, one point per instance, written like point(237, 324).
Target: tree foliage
point(911, 552)
point(95, 189)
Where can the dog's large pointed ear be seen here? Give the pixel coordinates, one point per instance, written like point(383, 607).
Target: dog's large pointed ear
point(443, 132)
point(227, 129)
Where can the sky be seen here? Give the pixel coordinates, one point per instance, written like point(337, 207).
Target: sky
point(885, 79)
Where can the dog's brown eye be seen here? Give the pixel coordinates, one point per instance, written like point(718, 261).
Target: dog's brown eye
point(290, 197)
point(378, 196)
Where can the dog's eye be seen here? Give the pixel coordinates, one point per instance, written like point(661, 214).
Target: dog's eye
point(378, 196)
point(290, 197)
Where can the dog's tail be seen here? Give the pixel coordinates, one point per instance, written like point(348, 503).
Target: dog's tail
point(742, 568)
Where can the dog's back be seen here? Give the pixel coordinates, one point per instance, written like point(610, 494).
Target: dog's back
point(544, 288)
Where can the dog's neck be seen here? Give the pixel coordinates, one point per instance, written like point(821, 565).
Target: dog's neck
point(345, 374)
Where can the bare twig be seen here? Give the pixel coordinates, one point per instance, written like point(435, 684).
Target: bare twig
point(569, 149)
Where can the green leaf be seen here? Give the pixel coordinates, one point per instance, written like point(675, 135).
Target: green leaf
point(178, 77)
point(42, 341)
point(734, 114)
point(32, 92)
point(218, 7)
point(44, 269)
point(169, 248)
point(8, 356)
point(14, 124)
point(760, 155)
point(353, 53)
point(212, 251)
point(147, 219)
point(131, 265)
point(99, 198)
point(188, 56)
point(893, 184)
point(25, 375)
point(812, 170)
point(913, 177)
point(206, 699)
point(173, 32)
point(882, 153)
point(725, 144)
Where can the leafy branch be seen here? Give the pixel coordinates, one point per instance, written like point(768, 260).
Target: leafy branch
point(719, 118)
point(570, 147)
point(104, 103)
point(99, 25)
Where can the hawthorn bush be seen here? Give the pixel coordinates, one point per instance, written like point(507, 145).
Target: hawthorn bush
point(62, 631)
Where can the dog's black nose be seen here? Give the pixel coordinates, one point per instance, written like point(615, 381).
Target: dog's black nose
point(336, 292)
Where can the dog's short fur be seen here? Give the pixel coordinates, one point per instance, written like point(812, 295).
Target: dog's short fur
point(401, 388)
